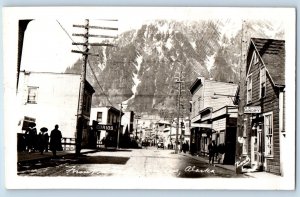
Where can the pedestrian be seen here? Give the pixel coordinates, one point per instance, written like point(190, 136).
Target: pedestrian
point(184, 147)
point(31, 137)
point(211, 152)
point(221, 152)
point(43, 140)
point(187, 147)
point(55, 140)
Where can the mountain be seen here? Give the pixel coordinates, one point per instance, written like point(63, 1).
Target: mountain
point(142, 69)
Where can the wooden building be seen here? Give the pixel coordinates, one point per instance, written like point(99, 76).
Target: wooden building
point(264, 117)
point(207, 96)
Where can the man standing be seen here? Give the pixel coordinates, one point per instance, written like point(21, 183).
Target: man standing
point(55, 140)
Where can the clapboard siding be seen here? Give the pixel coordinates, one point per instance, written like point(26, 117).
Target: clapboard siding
point(268, 104)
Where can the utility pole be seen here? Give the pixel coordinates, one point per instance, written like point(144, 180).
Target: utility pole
point(119, 127)
point(85, 53)
point(179, 81)
point(242, 87)
point(80, 121)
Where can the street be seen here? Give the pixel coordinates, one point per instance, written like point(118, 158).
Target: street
point(150, 162)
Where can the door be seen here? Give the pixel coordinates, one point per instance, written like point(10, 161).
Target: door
point(257, 148)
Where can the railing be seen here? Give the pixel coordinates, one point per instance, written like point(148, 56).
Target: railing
point(68, 143)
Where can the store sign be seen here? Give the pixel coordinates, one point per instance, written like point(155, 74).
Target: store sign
point(252, 110)
point(106, 127)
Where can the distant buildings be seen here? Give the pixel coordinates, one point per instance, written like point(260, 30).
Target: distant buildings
point(263, 135)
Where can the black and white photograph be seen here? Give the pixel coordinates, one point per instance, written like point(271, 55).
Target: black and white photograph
point(149, 98)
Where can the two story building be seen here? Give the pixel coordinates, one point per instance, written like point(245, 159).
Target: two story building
point(208, 96)
point(52, 98)
point(264, 113)
point(107, 115)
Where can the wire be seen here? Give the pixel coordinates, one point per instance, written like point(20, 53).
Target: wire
point(88, 64)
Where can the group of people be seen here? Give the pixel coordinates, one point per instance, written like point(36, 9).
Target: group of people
point(215, 151)
point(40, 142)
point(185, 147)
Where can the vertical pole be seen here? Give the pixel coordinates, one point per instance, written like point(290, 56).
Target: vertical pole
point(178, 114)
point(80, 121)
point(137, 123)
point(171, 131)
point(242, 93)
point(119, 129)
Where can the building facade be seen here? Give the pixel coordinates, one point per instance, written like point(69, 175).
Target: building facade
point(110, 116)
point(207, 96)
point(224, 129)
point(52, 98)
point(264, 113)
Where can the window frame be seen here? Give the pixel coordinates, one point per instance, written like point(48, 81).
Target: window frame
point(28, 94)
point(262, 80)
point(97, 118)
point(249, 89)
point(267, 134)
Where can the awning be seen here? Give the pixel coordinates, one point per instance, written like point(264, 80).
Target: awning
point(196, 118)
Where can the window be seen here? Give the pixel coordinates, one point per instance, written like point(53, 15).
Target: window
point(249, 89)
point(99, 117)
point(262, 82)
point(268, 123)
point(32, 94)
point(245, 142)
point(254, 59)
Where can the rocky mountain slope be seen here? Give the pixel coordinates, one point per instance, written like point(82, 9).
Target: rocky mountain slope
point(141, 70)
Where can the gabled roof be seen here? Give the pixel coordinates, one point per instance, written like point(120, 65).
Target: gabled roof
point(272, 53)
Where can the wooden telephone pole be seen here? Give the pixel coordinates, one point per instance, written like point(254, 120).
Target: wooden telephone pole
point(179, 81)
point(85, 53)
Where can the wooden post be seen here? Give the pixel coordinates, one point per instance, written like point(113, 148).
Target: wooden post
point(80, 118)
point(178, 114)
point(119, 129)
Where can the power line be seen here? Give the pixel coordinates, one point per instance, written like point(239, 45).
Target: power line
point(88, 64)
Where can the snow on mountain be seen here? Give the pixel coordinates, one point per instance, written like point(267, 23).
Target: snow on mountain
point(140, 71)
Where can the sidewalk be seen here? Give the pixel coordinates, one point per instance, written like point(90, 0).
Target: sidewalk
point(256, 174)
point(35, 156)
point(203, 159)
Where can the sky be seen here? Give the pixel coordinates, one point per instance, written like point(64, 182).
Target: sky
point(47, 43)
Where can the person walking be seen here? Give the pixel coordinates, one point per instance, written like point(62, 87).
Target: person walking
point(211, 152)
point(43, 140)
point(55, 140)
point(31, 137)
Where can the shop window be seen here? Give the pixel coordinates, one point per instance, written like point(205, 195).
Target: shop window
point(99, 117)
point(262, 82)
point(32, 95)
point(268, 124)
point(249, 89)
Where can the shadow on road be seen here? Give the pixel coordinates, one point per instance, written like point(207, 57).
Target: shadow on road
point(24, 167)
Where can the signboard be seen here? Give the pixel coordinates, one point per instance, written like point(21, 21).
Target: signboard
point(201, 125)
point(106, 127)
point(252, 110)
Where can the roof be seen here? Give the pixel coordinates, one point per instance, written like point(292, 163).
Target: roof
point(272, 53)
point(196, 84)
